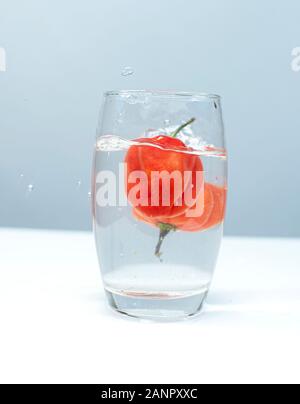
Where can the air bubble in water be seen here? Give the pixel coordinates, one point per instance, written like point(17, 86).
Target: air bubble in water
point(127, 71)
point(30, 188)
point(21, 176)
point(79, 183)
point(89, 195)
point(166, 122)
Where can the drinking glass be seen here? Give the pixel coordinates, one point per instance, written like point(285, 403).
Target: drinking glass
point(159, 195)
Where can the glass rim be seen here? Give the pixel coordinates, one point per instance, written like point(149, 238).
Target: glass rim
point(163, 93)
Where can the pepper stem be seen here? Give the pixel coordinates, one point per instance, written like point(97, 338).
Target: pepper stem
point(164, 230)
point(177, 131)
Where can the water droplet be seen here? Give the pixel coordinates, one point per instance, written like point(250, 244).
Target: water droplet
point(120, 118)
point(132, 99)
point(89, 195)
point(21, 176)
point(127, 71)
point(166, 122)
point(79, 183)
point(30, 188)
point(137, 98)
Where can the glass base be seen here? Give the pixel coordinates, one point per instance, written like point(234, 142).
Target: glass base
point(158, 307)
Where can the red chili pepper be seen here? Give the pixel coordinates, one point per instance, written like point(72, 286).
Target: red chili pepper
point(166, 155)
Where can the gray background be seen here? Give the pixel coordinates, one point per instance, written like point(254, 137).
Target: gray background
point(62, 55)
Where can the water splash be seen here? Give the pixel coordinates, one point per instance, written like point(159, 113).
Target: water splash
point(127, 71)
point(137, 98)
point(110, 143)
point(132, 99)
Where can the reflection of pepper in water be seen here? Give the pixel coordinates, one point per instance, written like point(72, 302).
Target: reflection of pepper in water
point(172, 155)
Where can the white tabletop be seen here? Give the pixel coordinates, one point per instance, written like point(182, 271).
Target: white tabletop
point(56, 327)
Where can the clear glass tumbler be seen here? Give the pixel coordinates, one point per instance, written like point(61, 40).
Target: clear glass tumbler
point(159, 196)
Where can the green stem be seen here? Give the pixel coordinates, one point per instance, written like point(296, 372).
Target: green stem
point(164, 230)
point(177, 131)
